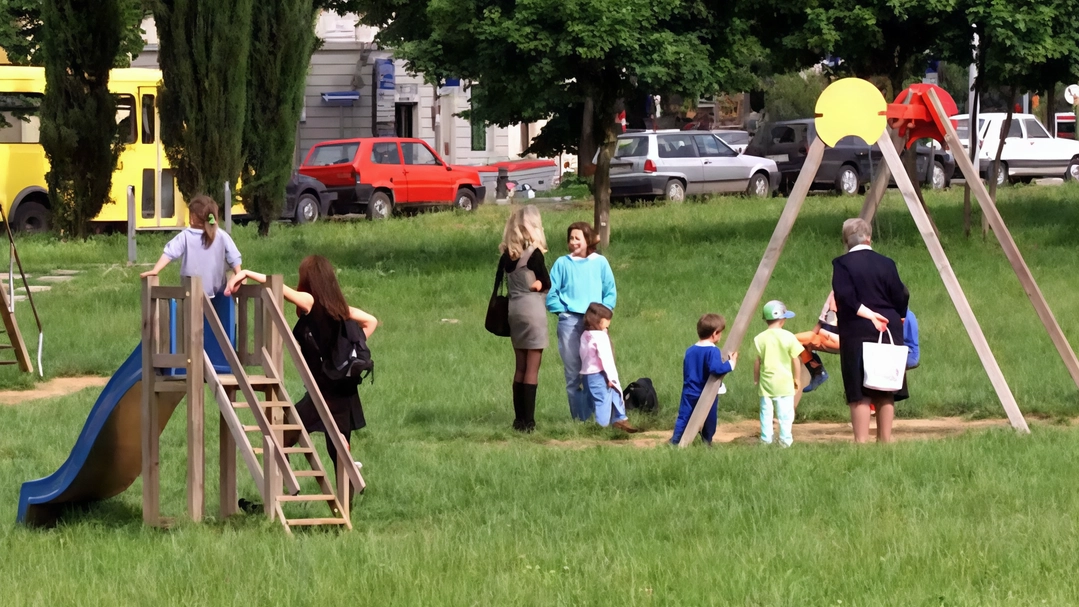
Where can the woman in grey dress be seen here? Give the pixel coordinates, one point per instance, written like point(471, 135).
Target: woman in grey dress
point(523, 245)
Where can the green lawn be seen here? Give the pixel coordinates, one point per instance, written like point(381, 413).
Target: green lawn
point(460, 510)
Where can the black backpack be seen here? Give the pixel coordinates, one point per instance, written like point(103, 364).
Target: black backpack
point(641, 395)
point(349, 358)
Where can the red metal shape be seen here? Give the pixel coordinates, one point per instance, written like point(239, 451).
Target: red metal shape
point(917, 119)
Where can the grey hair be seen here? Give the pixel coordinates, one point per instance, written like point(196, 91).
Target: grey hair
point(856, 231)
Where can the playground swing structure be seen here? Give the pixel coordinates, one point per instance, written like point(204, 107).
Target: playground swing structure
point(176, 364)
point(15, 339)
point(855, 107)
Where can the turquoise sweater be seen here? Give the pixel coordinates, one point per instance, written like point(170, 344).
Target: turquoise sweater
point(577, 282)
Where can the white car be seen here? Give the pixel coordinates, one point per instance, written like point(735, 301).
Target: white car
point(673, 164)
point(1029, 150)
point(737, 139)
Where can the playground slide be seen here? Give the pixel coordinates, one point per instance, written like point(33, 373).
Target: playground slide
point(107, 456)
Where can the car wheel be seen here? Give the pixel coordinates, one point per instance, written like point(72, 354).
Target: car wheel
point(1002, 174)
point(306, 209)
point(675, 191)
point(846, 182)
point(380, 206)
point(31, 217)
point(466, 200)
point(1072, 173)
point(939, 179)
point(759, 186)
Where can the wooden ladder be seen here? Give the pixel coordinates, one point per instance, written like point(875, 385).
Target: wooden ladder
point(15, 341)
point(274, 414)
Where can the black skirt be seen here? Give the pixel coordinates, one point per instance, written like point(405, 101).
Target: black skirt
point(347, 412)
point(852, 335)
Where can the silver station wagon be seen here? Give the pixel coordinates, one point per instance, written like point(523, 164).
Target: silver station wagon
point(674, 164)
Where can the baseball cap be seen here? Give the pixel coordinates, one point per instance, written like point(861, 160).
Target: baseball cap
point(775, 310)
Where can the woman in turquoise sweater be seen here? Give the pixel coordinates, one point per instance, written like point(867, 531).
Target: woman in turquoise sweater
point(578, 279)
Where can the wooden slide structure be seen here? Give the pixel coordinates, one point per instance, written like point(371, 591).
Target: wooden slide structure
point(855, 107)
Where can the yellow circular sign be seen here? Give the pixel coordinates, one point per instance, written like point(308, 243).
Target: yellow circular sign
point(851, 106)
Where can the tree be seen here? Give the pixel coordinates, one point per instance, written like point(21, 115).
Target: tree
point(203, 97)
point(20, 31)
point(539, 57)
point(282, 41)
point(79, 43)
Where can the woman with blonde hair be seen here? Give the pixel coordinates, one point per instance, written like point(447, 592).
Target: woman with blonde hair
point(523, 245)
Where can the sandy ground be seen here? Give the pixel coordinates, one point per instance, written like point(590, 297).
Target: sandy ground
point(747, 431)
point(54, 387)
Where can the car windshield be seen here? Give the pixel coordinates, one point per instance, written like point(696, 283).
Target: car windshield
point(734, 137)
point(334, 153)
point(631, 147)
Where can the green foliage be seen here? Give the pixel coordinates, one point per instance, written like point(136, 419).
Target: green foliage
point(203, 98)
point(20, 31)
point(282, 41)
point(793, 96)
point(79, 42)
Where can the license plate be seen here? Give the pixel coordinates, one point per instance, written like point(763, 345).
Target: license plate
point(618, 170)
point(779, 157)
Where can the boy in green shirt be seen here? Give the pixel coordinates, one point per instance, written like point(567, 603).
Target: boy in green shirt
point(777, 372)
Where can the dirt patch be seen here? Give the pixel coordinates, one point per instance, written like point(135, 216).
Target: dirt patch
point(747, 431)
point(61, 386)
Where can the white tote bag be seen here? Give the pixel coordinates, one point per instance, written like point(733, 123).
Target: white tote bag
point(884, 364)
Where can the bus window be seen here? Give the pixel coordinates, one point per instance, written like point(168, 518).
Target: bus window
point(168, 193)
point(19, 121)
point(125, 118)
point(148, 208)
point(148, 124)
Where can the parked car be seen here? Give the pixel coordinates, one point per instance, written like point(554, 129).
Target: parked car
point(1029, 150)
point(737, 140)
point(845, 167)
point(306, 199)
point(1066, 125)
point(378, 175)
point(672, 164)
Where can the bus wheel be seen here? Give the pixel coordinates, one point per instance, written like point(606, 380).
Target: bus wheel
point(31, 217)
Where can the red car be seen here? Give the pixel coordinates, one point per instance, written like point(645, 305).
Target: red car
point(381, 174)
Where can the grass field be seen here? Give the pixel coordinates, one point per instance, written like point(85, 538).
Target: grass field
point(460, 510)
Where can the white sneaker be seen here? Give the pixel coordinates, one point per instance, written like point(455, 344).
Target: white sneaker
point(358, 464)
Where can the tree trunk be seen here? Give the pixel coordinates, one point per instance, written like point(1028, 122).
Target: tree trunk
point(1051, 108)
point(601, 186)
point(587, 147)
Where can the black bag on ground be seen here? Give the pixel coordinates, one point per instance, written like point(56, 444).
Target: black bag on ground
point(641, 395)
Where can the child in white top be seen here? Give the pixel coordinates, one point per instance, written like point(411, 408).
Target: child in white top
point(598, 370)
point(204, 250)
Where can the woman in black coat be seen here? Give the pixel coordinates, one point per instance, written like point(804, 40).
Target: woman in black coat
point(869, 298)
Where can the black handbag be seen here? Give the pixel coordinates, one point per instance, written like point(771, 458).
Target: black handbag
point(498, 310)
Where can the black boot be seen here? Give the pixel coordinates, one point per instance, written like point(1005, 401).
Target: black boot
point(517, 406)
point(528, 407)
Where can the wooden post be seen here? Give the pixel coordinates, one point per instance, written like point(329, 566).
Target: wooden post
point(951, 283)
point(151, 482)
point(748, 309)
point(272, 338)
point(196, 435)
point(227, 459)
point(1011, 250)
point(271, 477)
point(343, 485)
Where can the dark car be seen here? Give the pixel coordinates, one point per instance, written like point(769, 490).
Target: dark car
point(845, 168)
point(306, 199)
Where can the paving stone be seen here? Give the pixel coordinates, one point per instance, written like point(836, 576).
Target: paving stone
point(34, 288)
point(66, 272)
point(3, 276)
point(54, 278)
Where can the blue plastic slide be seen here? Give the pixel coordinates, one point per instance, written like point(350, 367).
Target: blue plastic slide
point(107, 456)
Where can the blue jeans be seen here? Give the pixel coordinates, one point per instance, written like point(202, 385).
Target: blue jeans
point(603, 399)
point(570, 328)
point(784, 410)
point(685, 410)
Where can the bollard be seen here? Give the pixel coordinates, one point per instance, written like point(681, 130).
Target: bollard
point(228, 208)
point(131, 253)
point(501, 189)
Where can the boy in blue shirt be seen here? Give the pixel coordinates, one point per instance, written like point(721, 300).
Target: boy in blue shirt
point(702, 360)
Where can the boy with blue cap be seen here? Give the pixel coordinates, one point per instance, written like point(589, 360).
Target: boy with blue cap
point(777, 372)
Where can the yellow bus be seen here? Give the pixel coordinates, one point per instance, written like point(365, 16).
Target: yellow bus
point(142, 164)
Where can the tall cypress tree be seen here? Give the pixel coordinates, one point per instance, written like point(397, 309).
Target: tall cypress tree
point(282, 41)
point(79, 43)
point(203, 100)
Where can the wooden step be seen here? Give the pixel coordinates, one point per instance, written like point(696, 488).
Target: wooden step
point(8, 362)
point(274, 427)
point(6, 347)
point(298, 522)
point(283, 404)
point(288, 450)
point(229, 380)
point(329, 497)
point(308, 473)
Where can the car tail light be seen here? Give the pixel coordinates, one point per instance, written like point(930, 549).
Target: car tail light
point(356, 177)
point(649, 166)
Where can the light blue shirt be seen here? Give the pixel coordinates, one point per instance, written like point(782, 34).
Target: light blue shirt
point(206, 263)
point(577, 282)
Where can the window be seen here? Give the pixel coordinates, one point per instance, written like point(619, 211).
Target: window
point(417, 153)
point(149, 209)
point(125, 119)
point(962, 127)
point(734, 137)
point(707, 145)
point(783, 134)
point(676, 146)
point(149, 126)
point(479, 131)
point(631, 147)
point(1035, 130)
point(19, 122)
point(336, 153)
point(168, 193)
point(385, 153)
point(1014, 130)
point(1065, 128)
